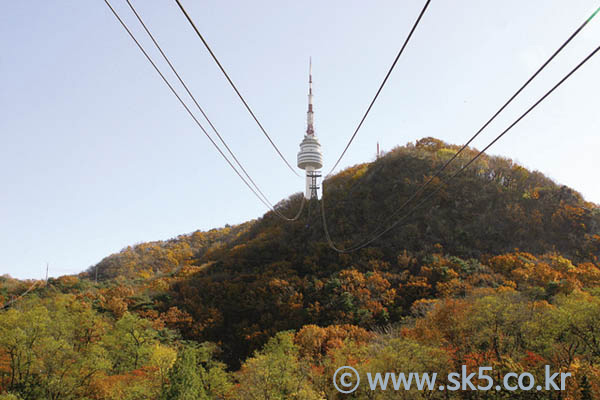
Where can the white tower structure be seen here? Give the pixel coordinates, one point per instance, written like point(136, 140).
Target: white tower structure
point(310, 157)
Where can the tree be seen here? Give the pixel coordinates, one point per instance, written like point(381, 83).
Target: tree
point(130, 343)
point(196, 375)
point(50, 348)
point(9, 396)
point(162, 360)
point(316, 342)
point(184, 381)
point(275, 372)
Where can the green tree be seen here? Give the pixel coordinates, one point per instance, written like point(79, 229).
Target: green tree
point(184, 381)
point(275, 373)
point(405, 355)
point(9, 396)
point(197, 375)
point(130, 343)
point(47, 353)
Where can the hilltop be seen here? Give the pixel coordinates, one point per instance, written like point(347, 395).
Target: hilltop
point(494, 207)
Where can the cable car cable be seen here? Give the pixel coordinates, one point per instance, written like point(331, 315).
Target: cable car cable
point(380, 87)
point(172, 67)
point(489, 121)
point(377, 236)
point(116, 15)
point(234, 86)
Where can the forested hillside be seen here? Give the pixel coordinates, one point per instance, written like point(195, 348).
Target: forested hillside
point(499, 268)
point(280, 275)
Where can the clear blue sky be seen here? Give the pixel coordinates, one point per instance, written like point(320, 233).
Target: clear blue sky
point(96, 154)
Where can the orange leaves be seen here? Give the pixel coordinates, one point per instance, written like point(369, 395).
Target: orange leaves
point(588, 274)
point(506, 263)
point(316, 342)
point(527, 270)
point(117, 299)
point(533, 360)
point(175, 318)
point(568, 218)
point(140, 383)
point(452, 288)
point(285, 295)
point(116, 305)
point(67, 281)
point(417, 287)
point(370, 292)
point(443, 324)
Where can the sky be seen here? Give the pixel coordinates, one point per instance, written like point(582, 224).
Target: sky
point(96, 154)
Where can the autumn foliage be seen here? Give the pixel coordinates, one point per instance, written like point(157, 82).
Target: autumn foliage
point(500, 268)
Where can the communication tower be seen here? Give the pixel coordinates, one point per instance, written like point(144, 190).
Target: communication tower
point(310, 157)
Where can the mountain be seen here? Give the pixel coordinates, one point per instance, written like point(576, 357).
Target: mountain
point(497, 267)
point(241, 285)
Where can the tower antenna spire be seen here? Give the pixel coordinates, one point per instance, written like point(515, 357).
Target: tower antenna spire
point(310, 129)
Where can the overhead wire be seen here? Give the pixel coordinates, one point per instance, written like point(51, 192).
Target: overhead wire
point(431, 194)
point(493, 117)
point(185, 106)
point(179, 98)
point(422, 188)
point(14, 300)
point(414, 27)
point(185, 86)
point(189, 19)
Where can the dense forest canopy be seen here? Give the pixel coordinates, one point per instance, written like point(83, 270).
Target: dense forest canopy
point(500, 267)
